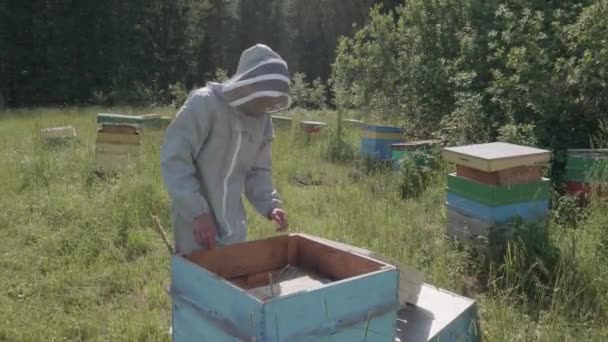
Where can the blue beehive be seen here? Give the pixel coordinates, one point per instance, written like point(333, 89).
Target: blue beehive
point(234, 294)
point(376, 141)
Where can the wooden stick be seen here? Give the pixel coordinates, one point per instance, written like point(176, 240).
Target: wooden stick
point(159, 228)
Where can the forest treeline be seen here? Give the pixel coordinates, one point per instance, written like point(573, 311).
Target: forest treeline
point(141, 51)
point(532, 72)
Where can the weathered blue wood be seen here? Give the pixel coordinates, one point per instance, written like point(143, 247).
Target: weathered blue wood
point(188, 325)
point(531, 210)
point(439, 316)
point(215, 297)
point(341, 309)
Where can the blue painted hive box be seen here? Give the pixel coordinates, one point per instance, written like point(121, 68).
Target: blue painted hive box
point(376, 141)
point(243, 292)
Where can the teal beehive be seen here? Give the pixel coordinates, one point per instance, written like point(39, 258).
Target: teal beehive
point(240, 293)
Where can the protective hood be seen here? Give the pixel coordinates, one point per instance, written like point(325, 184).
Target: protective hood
point(261, 84)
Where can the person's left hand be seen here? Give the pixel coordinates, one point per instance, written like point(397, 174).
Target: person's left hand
point(280, 217)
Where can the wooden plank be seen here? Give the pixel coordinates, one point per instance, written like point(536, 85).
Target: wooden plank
point(292, 251)
point(334, 308)
point(244, 258)
point(530, 210)
point(114, 138)
point(512, 176)
point(331, 262)
point(410, 279)
point(494, 195)
point(495, 156)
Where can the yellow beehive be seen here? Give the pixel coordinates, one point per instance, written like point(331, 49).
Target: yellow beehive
point(116, 147)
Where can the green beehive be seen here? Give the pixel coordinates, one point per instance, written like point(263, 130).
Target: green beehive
point(494, 195)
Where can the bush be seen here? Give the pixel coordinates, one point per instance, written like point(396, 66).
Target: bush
point(520, 134)
point(416, 171)
point(308, 96)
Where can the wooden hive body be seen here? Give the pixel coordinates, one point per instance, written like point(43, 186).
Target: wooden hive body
point(213, 294)
point(281, 121)
point(494, 157)
point(376, 141)
point(512, 176)
point(495, 195)
point(529, 210)
point(116, 146)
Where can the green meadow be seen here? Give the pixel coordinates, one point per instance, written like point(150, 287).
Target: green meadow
point(81, 261)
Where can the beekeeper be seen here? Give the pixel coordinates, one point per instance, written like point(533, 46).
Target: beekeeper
point(219, 147)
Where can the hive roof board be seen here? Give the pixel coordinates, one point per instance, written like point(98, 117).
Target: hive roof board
point(439, 315)
point(495, 156)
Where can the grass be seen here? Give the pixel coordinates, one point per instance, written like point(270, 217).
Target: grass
point(80, 260)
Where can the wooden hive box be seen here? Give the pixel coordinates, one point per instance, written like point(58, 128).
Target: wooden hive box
point(58, 133)
point(220, 295)
point(106, 119)
point(516, 175)
point(495, 195)
point(529, 210)
point(496, 156)
point(376, 141)
point(116, 146)
point(281, 121)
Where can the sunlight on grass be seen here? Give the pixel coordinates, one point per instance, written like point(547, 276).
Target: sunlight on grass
point(80, 260)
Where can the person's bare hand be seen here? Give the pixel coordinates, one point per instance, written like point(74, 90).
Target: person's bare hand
point(279, 216)
point(205, 231)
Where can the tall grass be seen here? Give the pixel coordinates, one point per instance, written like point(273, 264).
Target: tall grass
point(80, 260)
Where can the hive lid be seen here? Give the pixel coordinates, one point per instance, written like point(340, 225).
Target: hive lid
point(495, 156)
point(411, 144)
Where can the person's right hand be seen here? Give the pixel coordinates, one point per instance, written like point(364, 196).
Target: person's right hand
point(205, 231)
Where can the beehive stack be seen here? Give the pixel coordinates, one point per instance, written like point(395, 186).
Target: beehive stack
point(376, 141)
point(494, 184)
point(117, 146)
point(585, 168)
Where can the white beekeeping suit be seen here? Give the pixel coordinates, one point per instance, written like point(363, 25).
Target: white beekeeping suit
point(219, 146)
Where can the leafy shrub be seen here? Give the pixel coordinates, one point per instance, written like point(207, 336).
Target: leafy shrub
point(520, 134)
point(308, 95)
